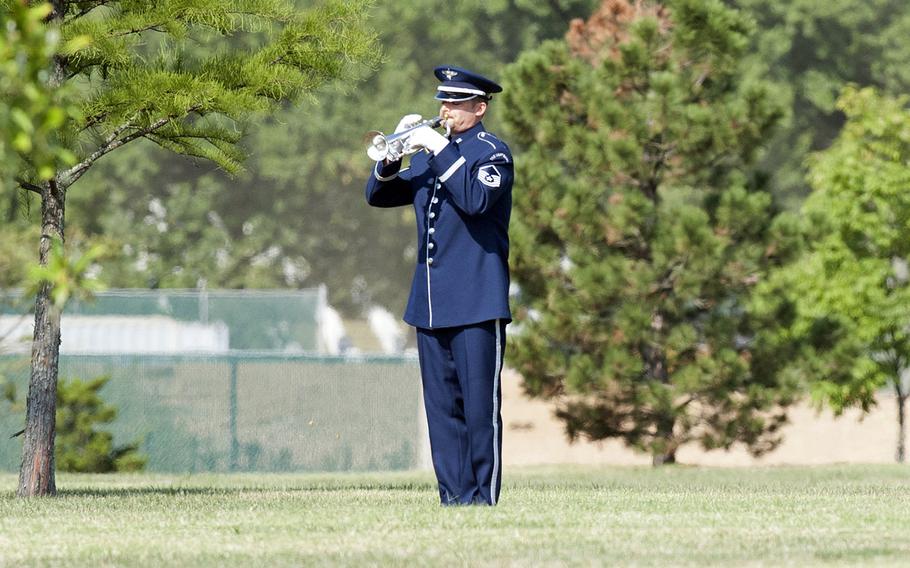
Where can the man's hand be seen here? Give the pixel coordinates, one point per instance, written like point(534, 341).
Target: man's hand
point(426, 137)
point(407, 121)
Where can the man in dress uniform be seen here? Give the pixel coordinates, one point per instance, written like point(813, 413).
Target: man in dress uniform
point(461, 190)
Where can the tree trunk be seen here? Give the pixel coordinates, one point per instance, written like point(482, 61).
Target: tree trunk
point(665, 452)
point(656, 370)
point(36, 474)
point(667, 458)
point(901, 421)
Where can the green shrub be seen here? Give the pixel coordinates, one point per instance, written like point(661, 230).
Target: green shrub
point(80, 447)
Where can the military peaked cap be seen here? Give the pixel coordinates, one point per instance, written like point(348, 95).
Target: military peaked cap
point(461, 85)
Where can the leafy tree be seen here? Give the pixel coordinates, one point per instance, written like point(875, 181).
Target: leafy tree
point(141, 75)
point(638, 239)
point(80, 447)
point(812, 50)
point(851, 290)
point(296, 217)
point(67, 275)
point(30, 110)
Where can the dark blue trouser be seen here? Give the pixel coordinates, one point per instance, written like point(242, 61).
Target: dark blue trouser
point(460, 368)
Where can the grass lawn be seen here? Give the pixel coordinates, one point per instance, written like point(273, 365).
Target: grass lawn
point(572, 516)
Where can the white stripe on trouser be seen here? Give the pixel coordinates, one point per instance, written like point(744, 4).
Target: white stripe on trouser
point(496, 416)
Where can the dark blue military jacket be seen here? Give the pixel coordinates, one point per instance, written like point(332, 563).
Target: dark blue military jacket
point(463, 200)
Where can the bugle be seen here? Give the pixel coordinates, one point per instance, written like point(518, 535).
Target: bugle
point(393, 147)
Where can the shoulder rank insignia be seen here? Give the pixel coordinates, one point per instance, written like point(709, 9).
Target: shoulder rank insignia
point(489, 176)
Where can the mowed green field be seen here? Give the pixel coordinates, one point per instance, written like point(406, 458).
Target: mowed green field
point(560, 516)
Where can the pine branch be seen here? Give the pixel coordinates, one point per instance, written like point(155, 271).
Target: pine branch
point(90, 6)
point(94, 120)
point(113, 142)
point(306, 49)
point(214, 144)
point(105, 148)
point(24, 184)
point(151, 27)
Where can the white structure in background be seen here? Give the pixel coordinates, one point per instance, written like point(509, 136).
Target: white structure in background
point(387, 329)
point(333, 338)
point(119, 334)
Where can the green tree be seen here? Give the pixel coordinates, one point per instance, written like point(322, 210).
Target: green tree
point(28, 114)
point(851, 289)
point(80, 446)
point(30, 110)
point(296, 217)
point(637, 238)
point(812, 49)
point(143, 74)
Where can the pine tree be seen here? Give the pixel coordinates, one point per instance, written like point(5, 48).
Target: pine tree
point(186, 75)
point(82, 446)
point(637, 238)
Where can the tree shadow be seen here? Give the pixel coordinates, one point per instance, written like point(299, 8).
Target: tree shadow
point(126, 492)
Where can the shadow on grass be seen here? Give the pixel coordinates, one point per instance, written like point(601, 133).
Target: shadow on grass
point(856, 555)
point(227, 491)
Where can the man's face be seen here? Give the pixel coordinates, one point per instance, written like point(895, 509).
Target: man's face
point(463, 114)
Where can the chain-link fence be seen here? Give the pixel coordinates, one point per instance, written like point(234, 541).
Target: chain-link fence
point(248, 411)
point(225, 380)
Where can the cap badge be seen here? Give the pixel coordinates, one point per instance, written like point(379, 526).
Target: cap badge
point(449, 74)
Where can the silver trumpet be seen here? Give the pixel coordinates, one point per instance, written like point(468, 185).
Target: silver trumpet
point(393, 147)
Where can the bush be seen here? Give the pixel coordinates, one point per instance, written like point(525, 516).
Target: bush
point(80, 447)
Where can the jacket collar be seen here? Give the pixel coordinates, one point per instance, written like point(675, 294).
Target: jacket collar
point(470, 132)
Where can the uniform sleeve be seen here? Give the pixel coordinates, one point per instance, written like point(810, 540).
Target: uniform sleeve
point(474, 187)
point(389, 187)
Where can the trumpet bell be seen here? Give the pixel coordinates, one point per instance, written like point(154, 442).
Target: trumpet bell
point(378, 147)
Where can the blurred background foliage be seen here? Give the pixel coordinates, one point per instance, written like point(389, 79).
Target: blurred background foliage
point(812, 49)
point(31, 114)
point(295, 216)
